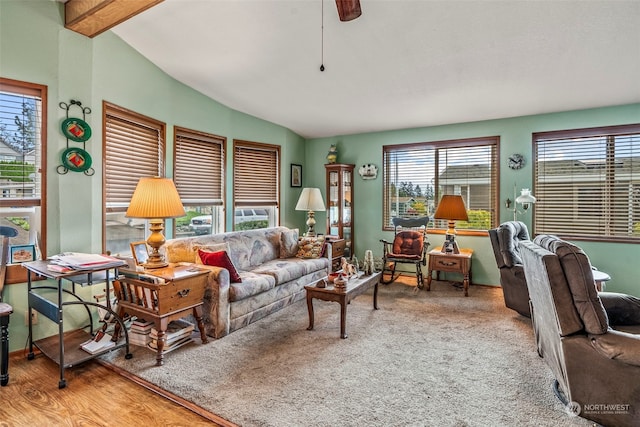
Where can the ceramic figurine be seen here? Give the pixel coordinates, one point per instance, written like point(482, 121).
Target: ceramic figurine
point(367, 266)
point(332, 157)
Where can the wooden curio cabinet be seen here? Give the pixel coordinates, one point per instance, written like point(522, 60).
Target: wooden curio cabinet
point(340, 204)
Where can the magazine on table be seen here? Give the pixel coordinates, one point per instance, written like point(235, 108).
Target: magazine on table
point(81, 261)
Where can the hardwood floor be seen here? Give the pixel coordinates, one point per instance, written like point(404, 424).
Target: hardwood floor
point(95, 396)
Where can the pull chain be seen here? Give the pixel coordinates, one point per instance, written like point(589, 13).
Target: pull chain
point(322, 38)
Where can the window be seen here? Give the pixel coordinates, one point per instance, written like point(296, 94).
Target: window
point(23, 116)
point(134, 147)
point(417, 175)
point(256, 171)
point(587, 183)
point(199, 178)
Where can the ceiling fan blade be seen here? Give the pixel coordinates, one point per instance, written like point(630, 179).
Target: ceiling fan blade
point(348, 10)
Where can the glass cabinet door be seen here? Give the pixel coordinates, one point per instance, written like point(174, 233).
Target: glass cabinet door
point(340, 204)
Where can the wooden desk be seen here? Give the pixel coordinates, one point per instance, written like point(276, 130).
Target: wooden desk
point(455, 263)
point(182, 291)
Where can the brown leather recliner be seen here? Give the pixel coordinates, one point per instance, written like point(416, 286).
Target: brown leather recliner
point(590, 341)
point(504, 241)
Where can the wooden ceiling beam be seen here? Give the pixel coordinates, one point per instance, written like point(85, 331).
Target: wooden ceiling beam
point(92, 17)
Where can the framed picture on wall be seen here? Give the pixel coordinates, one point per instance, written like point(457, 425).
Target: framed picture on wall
point(296, 175)
point(140, 252)
point(22, 253)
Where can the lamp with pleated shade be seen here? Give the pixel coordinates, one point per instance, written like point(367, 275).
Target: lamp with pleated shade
point(155, 199)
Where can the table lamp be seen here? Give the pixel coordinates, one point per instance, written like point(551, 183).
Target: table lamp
point(451, 208)
point(310, 200)
point(155, 198)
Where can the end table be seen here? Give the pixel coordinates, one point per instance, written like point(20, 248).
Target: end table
point(450, 262)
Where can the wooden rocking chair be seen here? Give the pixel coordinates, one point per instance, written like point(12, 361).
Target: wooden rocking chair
point(409, 246)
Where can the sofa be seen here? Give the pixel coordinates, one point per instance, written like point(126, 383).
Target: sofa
point(273, 265)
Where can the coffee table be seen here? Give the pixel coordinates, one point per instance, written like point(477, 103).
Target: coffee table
point(355, 287)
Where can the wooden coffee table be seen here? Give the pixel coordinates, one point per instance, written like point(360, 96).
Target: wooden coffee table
point(355, 287)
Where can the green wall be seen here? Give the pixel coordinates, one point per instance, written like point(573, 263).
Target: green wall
point(35, 47)
point(619, 260)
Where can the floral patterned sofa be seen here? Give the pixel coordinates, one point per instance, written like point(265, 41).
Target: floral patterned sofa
point(272, 267)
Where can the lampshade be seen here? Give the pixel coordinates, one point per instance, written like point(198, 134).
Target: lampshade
point(525, 197)
point(155, 197)
point(310, 200)
point(452, 208)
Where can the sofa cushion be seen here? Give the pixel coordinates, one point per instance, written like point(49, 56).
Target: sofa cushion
point(220, 259)
point(293, 268)
point(252, 284)
point(289, 243)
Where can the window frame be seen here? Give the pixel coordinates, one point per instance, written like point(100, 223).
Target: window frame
point(200, 138)
point(494, 176)
point(136, 119)
point(269, 201)
point(585, 190)
point(15, 273)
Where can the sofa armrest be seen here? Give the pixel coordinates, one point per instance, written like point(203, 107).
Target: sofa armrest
point(622, 309)
point(216, 307)
point(617, 345)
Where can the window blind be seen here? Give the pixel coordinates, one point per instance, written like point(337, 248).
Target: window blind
point(255, 174)
point(199, 167)
point(134, 148)
point(587, 183)
point(417, 175)
point(21, 143)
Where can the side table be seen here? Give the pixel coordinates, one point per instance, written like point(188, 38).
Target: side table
point(343, 296)
point(180, 291)
point(64, 348)
point(450, 262)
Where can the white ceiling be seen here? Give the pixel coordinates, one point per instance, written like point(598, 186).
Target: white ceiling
point(402, 64)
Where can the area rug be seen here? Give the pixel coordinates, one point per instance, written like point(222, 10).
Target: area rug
point(423, 359)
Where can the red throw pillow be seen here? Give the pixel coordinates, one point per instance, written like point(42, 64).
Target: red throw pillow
point(220, 259)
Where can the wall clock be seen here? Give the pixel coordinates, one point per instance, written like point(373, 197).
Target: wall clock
point(516, 161)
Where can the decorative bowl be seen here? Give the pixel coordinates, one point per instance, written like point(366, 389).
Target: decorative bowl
point(332, 277)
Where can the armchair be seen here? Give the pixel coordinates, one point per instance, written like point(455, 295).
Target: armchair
point(409, 245)
point(593, 353)
point(505, 240)
point(5, 309)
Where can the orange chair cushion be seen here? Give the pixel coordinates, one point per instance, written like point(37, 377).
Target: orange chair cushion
point(408, 245)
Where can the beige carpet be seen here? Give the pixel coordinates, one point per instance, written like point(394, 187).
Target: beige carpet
point(424, 359)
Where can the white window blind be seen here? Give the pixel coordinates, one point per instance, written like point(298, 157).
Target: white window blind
point(256, 174)
point(134, 148)
point(199, 167)
point(416, 176)
point(21, 143)
point(587, 183)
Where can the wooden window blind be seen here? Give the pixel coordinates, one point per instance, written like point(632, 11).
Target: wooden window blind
point(587, 183)
point(134, 148)
point(256, 171)
point(417, 175)
point(199, 167)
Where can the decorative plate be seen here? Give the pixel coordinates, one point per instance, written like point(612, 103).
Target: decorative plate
point(76, 159)
point(76, 129)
